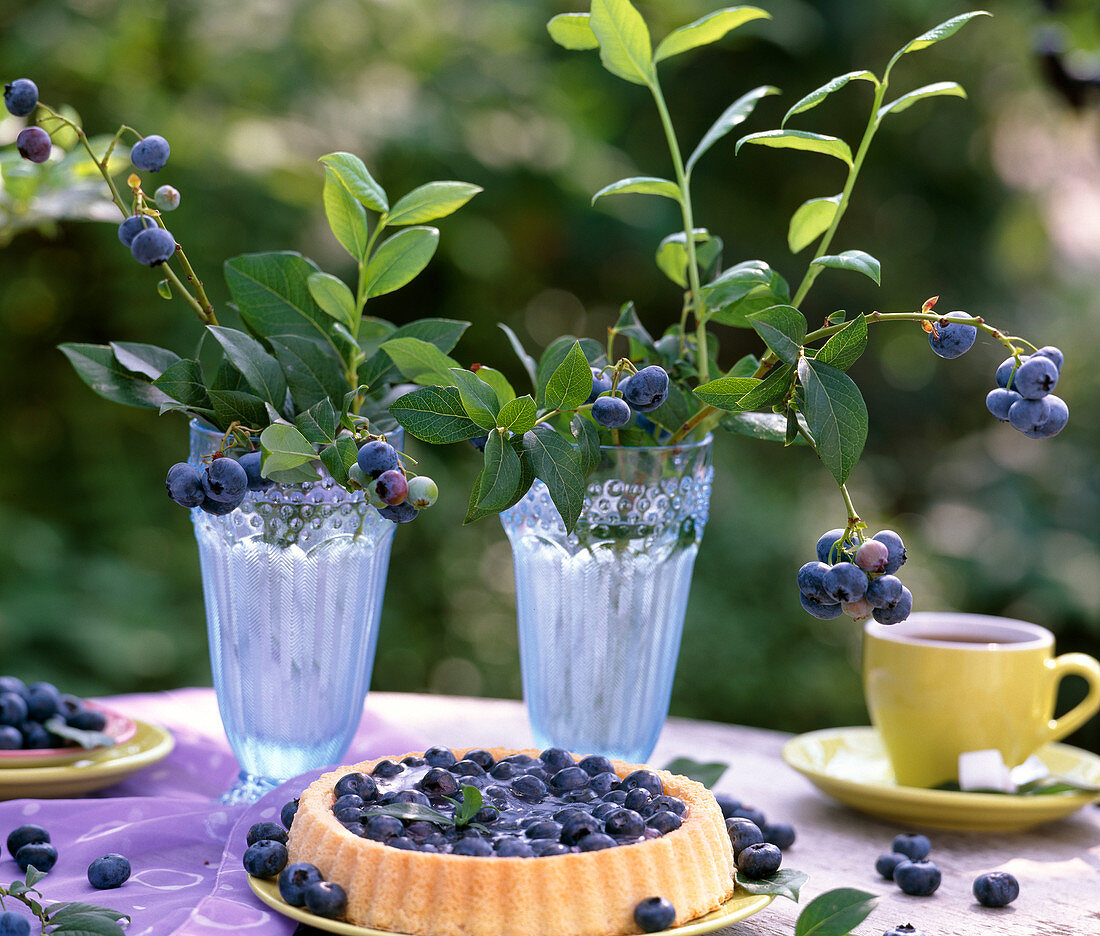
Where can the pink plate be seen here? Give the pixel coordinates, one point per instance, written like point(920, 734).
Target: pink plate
point(118, 726)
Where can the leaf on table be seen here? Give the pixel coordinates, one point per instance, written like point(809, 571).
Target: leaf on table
point(707, 774)
point(786, 882)
point(835, 913)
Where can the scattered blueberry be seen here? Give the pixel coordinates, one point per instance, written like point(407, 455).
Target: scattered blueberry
point(153, 246)
point(133, 226)
point(780, 834)
point(905, 929)
point(1036, 377)
point(654, 914)
point(422, 492)
point(108, 872)
point(12, 924)
point(996, 889)
point(42, 855)
point(912, 845)
point(184, 485)
point(952, 339)
point(251, 462)
point(34, 144)
point(167, 198)
point(294, 879)
point(752, 814)
point(266, 831)
point(759, 861)
point(150, 154)
point(26, 835)
point(21, 97)
point(917, 878)
point(326, 899)
point(885, 864)
point(647, 389)
point(264, 859)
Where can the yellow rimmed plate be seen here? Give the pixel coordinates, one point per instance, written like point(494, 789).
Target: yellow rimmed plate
point(738, 907)
point(96, 769)
point(850, 765)
point(119, 727)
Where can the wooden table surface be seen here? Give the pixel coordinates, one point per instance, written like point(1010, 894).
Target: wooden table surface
point(1057, 865)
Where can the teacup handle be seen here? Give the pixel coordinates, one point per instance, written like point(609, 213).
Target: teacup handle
point(1074, 664)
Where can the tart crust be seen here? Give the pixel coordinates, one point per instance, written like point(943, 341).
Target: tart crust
point(583, 894)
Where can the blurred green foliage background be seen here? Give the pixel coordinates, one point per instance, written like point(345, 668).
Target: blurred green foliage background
point(992, 203)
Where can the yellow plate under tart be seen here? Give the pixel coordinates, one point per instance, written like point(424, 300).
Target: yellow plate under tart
point(850, 765)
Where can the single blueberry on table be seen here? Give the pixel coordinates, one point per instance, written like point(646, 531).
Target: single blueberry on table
point(11, 738)
point(150, 154)
point(647, 389)
point(153, 246)
point(912, 845)
point(12, 924)
point(830, 549)
point(780, 834)
point(1036, 377)
point(820, 610)
point(294, 879)
point(600, 384)
point(654, 914)
point(884, 591)
point(896, 549)
point(13, 709)
point(402, 513)
point(897, 612)
point(996, 889)
point(263, 859)
point(845, 582)
point(918, 878)
point(270, 831)
point(759, 861)
point(251, 462)
point(752, 814)
point(376, 457)
point(999, 401)
point(42, 855)
point(905, 929)
point(184, 485)
point(133, 226)
point(326, 900)
point(952, 339)
point(20, 97)
point(34, 144)
point(743, 833)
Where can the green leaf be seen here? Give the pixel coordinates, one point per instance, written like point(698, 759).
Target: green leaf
point(800, 140)
point(855, 260)
point(410, 812)
point(938, 89)
point(835, 913)
point(183, 381)
point(725, 393)
point(284, 448)
point(346, 217)
point(144, 359)
point(88, 924)
point(478, 398)
point(555, 353)
point(436, 415)
point(766, 427)
point(499, 475)
point(318, 423)
point(272, 293)
point(525, 359)
point(295, 475)
point(399, 259)
point(769, 391)
point(630, 326)
point(471, 803)
point(443, 333)
point(733, 115)
point(707, 774)
point(782, 329)
point(641, 185)
point(672, 255)
point(431, 201)
point(497, 381)
point(260, 369)
point(527, 477)
point(557, 465)
point(810, 220)
point(59, 911)
point(356, 179)
point(814, 98)
point(836, 416)
point(944, 30)
point(333, 297)
point(588, 443)
point(625, 46)
point(238, 406)
point(98, 367)
point(339, 456)
point(571, 383)
point(738, 282)
point(420, 361)
point(313, 370)
point(677, 409)
point(843, 349)
point(706, 30)
point(572, 31)
point(745, 367)
point(86, 739)
point(518, 415)
point(786, 882)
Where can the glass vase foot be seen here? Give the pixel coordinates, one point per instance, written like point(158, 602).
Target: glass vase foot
point(247, 789)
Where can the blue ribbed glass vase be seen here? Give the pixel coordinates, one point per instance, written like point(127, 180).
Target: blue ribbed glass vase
point(601, 609)
point(293, 581)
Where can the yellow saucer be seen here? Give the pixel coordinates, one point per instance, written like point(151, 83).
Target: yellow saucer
point(850, 765)
point(738, 907)
point(99, 768)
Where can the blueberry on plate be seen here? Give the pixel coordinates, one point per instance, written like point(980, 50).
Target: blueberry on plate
point(326, 899)
point(917, 878)
point(110, 871)
point(996, 889)
point(759, 861)
point(644, 780)
point(288, 812)
point(654, 914)
point(294, 879)
point(270, 831)
point(265, 859)
point(743, 833)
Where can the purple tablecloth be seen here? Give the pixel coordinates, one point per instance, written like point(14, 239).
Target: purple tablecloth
point(185, 848)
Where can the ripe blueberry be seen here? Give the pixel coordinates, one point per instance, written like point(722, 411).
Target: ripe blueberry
point(225, 481)
point(647, 389)
point(872, 556)
point(905, 929)
point(885, 864)
point(1055, 354)
point(842, 552)
point(917, 878)
point(153, 246)
point(611, 412)
point(743, 833)
point(896, 548)
point(1039, 419)
point(897, 612)
point(184, 485)
point(664, 821)
point(999, 400)
point(654, 914)
point(474, 846)
point(1036, 377)
point(132, 226)
point(912, 845)
point(25, 835)
point(376, 457)
point(952, 339)
point(759, 861)
point(326, 899)
point(884, 591)
point(996, 889)
point(21, 97)
point(479, 442)
point(265, 859)
point(597, 841)
point(288, 812)
point(34, 144)
point(514, 848)
point(11, 738)
point(12, 924)
point(42, 855)
point(251, 462)
point(556, 759)
point(600, 384)
point(13, 709)
point(43, 701)
point(845, 582)
point(422, 492)
point(402, 513)
point(392, 488)
point(87, 720)
point(440, 757)
point(823, 611)
point(644, 780)
point(266, 831)
point(596, 764)
point(150, 154)
point(569, 778)
point(294, 879)
point(108, 872)
point(780, 834)
point(167, 198)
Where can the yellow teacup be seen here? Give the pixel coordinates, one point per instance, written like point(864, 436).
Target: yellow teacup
point(940, 684)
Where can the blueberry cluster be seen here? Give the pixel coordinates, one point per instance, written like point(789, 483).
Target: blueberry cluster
point(21, 98)
point(30, 845)
point(148, 241)
point(381, 474)
point(219, 487)
point(532, 806)
point(25, 710)
point(856, 577)
point(758, 845)
point(907, 864)
point(641, 392)
point(1023, 397)
point(300, 884)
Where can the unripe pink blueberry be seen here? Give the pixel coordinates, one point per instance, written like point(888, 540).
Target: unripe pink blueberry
point(858, 610)
point(392, 488)
point(872, 556)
